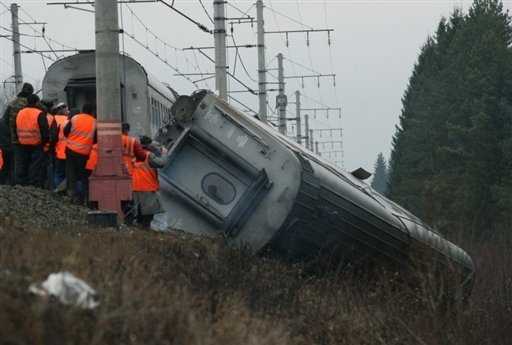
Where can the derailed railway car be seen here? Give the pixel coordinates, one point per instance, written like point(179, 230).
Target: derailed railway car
point(145, 101)
point(230, 174)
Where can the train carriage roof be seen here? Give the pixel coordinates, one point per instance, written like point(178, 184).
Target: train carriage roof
point(62, 66)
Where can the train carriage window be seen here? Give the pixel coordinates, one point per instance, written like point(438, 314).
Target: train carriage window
point(218, 188)
point(153, 115)
point(166, 116)
point(159, 114)
point(156, 112)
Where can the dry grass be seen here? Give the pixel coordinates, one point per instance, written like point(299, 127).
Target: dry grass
point(178, 289)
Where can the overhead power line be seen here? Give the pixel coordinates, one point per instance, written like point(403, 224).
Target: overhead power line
point(330, 54)
point(317, 102)
point(68, 4)
point(157, 52)
point(159, 57)
point(21, 34)
point(207, 13)
point(307, 32)
point(243, 13)
point(167, 53)
point(30, 49)
point(251, 90)
point(41, 33)
point(289, 18)
point(199, 25)
point(241, 61)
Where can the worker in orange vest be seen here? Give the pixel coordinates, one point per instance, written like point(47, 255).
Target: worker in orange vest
point(59, 169)
point(80, 132)
point(1, 159)
point(132, 150)
point(32, 132)
point(90, 165)
point(145, 184)
point(92, 161)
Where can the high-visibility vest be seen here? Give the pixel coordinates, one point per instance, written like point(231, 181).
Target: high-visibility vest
point(60, 147)
point(50, 118)
point(1, 159)
point(128, 156)
point(27, 127)
point(144, 178)
point(81, 136)
point(93, 158)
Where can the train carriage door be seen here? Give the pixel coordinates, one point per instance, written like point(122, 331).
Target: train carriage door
point(80, 91)
point(221, 189)
point(83, 90)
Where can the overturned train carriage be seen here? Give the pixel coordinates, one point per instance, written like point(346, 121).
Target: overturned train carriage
point(233, 175)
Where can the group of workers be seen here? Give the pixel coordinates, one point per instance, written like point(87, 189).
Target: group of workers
point(47, 145)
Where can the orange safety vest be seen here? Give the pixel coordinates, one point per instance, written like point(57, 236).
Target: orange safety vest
point(144, 178)
point(93, 158)
point(128, 156)
point(1, 159)
point(60, 147)
point(27, 127)
point(81, 136)
point(50, 118)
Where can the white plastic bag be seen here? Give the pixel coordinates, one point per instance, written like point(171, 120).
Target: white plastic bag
point(159, 222)
point(68, 289)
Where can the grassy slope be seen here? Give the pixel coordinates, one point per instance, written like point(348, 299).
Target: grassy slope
point(178, 289)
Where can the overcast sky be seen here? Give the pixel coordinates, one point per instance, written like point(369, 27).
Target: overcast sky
point(372, 51)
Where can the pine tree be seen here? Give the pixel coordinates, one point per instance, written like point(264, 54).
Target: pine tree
point(412, 181)
point(380, 176)
point(451, 162)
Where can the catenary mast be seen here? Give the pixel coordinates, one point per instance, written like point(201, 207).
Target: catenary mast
point(109, 184)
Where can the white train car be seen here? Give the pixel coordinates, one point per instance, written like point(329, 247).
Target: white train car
point(145, 101)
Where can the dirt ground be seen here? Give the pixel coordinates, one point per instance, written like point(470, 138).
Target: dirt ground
point(30, 206)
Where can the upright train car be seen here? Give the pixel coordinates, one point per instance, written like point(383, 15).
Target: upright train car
point(145, 101)
point(230, 174)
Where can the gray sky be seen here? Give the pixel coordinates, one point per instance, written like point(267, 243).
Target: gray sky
point(373, 50)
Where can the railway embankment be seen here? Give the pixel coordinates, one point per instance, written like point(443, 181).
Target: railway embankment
point(175, 288)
